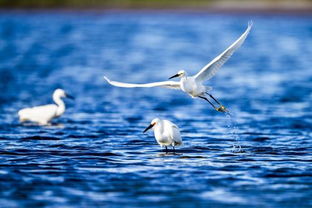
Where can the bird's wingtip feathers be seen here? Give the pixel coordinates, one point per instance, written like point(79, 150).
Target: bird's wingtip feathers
point(106, 79)
point(250, 23)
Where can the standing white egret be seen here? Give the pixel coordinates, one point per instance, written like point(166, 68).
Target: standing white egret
point(193, 85)
point(45, 113)
point(166, 133)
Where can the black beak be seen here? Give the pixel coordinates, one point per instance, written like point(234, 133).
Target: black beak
point(149, 127)
point(70, 97)
point(177, 75)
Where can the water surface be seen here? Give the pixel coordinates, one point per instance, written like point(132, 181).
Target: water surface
point(96, 155)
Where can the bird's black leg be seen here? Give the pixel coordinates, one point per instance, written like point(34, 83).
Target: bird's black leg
point(166, 149)
point(213, 98)
point(173, 148)
point(221, 108)
point(202, 97)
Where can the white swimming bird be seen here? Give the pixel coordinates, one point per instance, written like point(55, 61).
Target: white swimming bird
point(166, 133)
point(45, 113)
point(193, 85)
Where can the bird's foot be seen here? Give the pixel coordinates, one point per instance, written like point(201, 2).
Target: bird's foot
point(222, 109)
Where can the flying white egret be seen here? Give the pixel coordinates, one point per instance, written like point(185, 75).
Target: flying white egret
point(166, 133)
point(193, 85)
point(45, 113)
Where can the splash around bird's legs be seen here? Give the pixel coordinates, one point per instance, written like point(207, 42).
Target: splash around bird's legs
point(231, 124)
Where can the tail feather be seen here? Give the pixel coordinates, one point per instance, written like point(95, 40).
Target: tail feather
point(22, 116)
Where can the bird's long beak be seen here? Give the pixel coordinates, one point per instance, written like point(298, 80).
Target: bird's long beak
point(176, 75)
point(70, 96)
point(149, 127)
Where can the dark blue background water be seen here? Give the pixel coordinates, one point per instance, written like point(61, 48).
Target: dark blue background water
point(96, 155)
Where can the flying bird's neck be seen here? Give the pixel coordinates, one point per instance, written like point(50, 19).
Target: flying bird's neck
point(183, 78)
point(60, 105)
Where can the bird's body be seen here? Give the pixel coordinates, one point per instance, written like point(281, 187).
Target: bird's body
point(166, 133)
point(194, 85)
point(45, 113)
point(191, 87)
point(39, 114)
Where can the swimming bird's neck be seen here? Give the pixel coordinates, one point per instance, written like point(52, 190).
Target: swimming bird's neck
point(60, 105)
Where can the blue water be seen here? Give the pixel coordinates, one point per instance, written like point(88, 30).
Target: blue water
point(96, 155)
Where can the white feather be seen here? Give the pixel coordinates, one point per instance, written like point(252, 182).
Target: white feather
point(211, 68)
point(45, 113)
point(193, 85)
point(167, 84)
point(40, 114)
point(166, 133)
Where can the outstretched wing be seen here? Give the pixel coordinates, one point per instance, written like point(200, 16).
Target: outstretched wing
point(211, 68)
point(167, 84)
